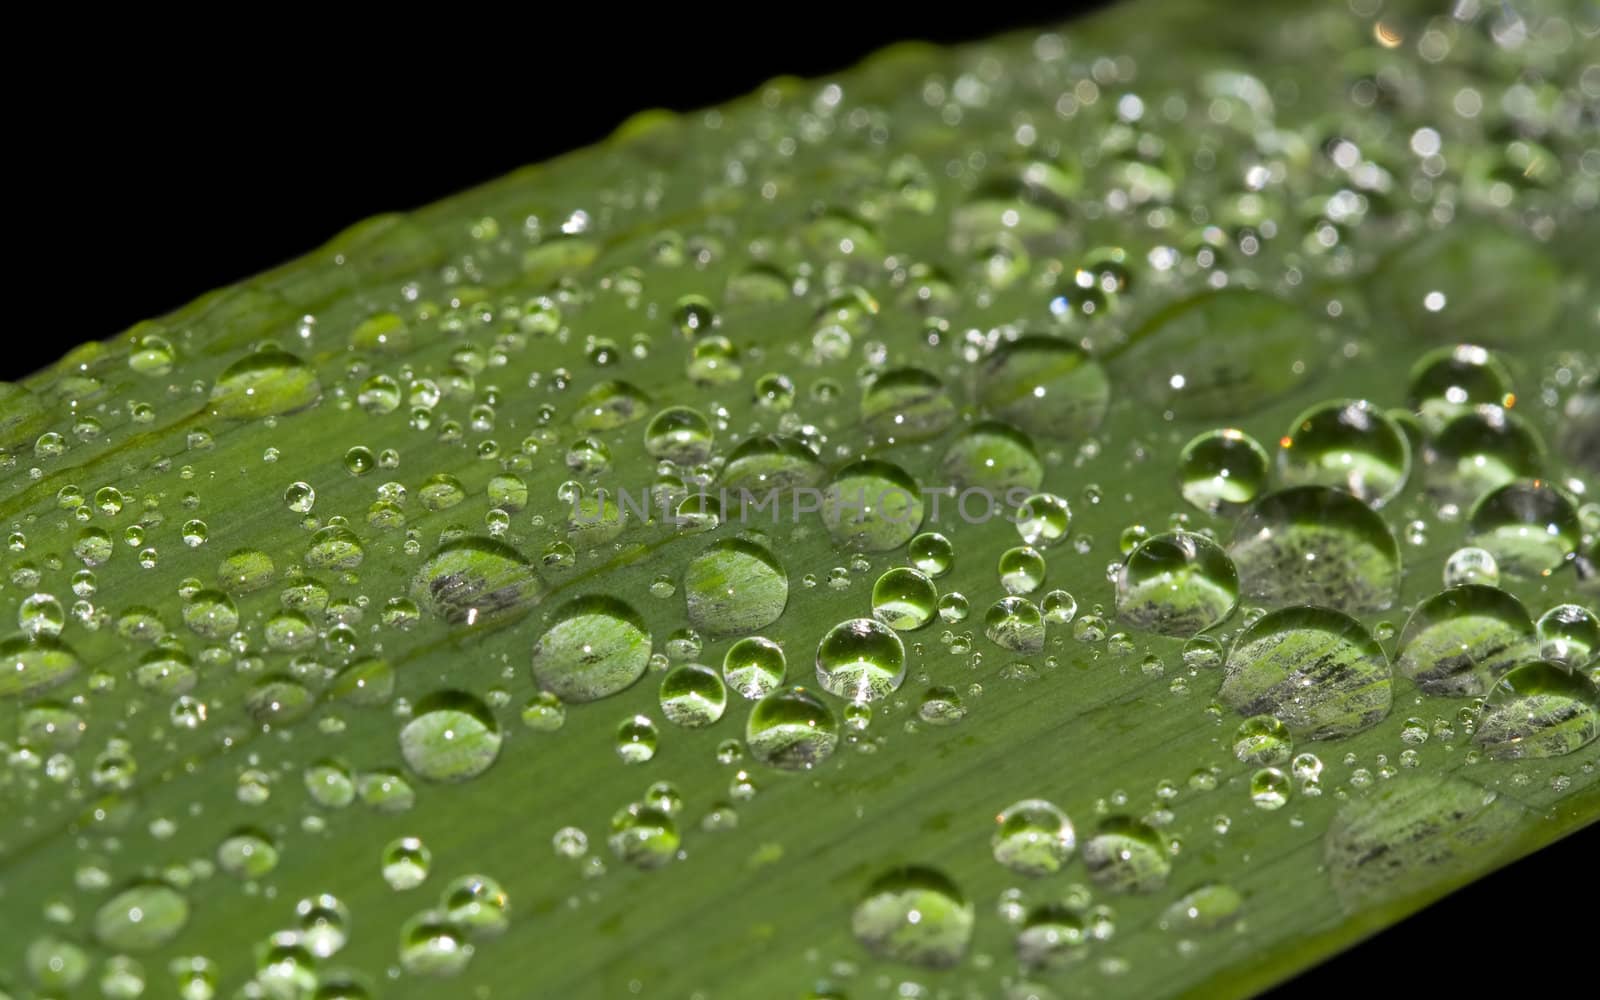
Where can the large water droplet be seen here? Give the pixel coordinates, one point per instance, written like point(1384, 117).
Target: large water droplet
point(692, 696)
point(1220, 354)
point(872, 506)
point(1349, 444)
point(1317, 670)
point(1221, 469)
point(860, 660)
point(1316, 545)
point(476, 581)
point(994, 457)
point(1539, 709)
point(1126, 855)
point(263, 384)
point(1529, 527)
point(644, 836)
point(453, 737)
point(1034, 837)
point(906, 405)
point(1480, 451)
point(1473, 274)
point(1046, 386)
point(1450, 381)
point(1015, 623)
point(754, 666)
point(1569, 634)
point(736, 585)
point(141, 917)
point(1460, 640)
point(772, 462)
point(679, 434)
point(914, 915)
point(1177, 584)
point(904, 599)
point(31, 663)
point(792, 730)
point(609, 405)
point(597, 647)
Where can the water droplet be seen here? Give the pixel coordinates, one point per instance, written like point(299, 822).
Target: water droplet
point(644, 836)
point(245, 571)
point(476, 581)
point(1539, 709)
point(1349, 444)
point(406, 863)
point(211, 614)
point(278, 700)
point(754, 666)
point(432, 945)
point(636, 740)
point(334, 547)
point(1190, 358)
point(368, 681)
point(324, 924)
point(1449, 381)
point(1481, 451)
point(1126, 855)
point(1059, 607)
point(1411, 834)
point(914, 915)
point(1204, 908)
point(931, 553)
point(1015, 623)
point(693, 696)
point(994, 457)
point(247, 854)
point(1317, 670)
point(1177, 584)
point(609, 405)
point(1042, 519)
point(1021, 569)
point(735, 586)
point(544, 712)
point(41, 615)
point(597, 647)
point(1530, 528)
point(264, 384)
point(453, 737)
point(478, 904)
point(1269, 789)
point(941, 706)
point(1050, 937)
point(144, 916)
point(904, 599)
point(1046, 386)
point(1262, 740)
point(1222, 469)
point(861, 659)
point(792, 730)
point(1471, 565)
point(441, 491)
point(1460, 640)
point(679, 434)
point(907, 405)
point(773, 462)
point(1316, 545)
point(1569, 634)
point(1034, 838)
point(1475, 274)
point(872, 506)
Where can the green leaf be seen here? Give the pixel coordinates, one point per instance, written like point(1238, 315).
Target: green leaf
point(822, 544)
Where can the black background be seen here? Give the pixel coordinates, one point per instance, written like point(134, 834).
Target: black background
point(151, 173)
